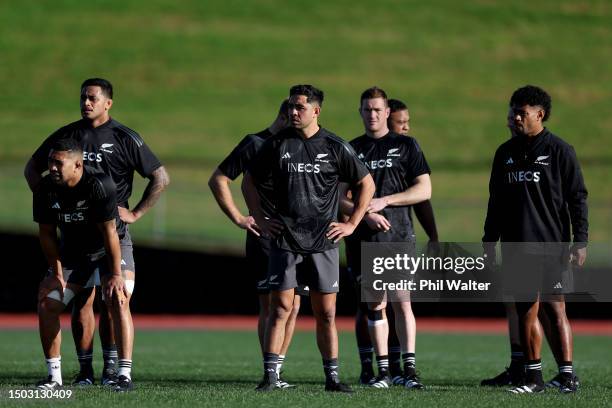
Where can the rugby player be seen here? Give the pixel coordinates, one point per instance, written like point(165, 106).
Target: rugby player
point(118, 151)
point(537, 194)
point(257, 247)
point(514, 373)
point(84, 208)
point(398, 122)
point(401, 176)
point(306, 163)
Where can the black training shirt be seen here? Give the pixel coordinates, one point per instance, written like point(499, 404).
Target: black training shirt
point(305, 174)
point(111, 148)
point(238, 161)
point(77, 211)
point(394, 162)
point(537, 193)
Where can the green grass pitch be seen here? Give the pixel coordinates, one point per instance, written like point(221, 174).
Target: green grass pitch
point(219, 369)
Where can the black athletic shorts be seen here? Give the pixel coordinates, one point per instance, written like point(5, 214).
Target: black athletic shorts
point(317, 271)
point(87, 270)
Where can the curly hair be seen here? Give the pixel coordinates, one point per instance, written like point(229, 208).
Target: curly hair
point(533, 96)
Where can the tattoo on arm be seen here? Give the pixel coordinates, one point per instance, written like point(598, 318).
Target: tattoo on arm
point(158, 181)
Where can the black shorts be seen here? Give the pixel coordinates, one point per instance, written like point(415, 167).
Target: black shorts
point(127, 253)
point(317, 271)
point(258, 259)
point(361, 283)
point(257, 253)
point(87, 271)
point(527, 275)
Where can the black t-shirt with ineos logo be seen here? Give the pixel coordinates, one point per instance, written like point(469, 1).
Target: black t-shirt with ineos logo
point(305, 174)
point(76, 211)
point(394, 162)
point(111, 148)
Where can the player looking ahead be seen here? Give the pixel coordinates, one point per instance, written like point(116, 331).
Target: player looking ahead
point(537, 194)
point(257, 246)
point(118, 151)
point(84, 208)
point(306, 163)
point(401, 176)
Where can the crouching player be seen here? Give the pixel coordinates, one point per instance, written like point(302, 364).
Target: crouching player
point(83, 206)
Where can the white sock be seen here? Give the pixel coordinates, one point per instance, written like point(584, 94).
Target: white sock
point(279, 365)
point(125, 368)
point(54, 369)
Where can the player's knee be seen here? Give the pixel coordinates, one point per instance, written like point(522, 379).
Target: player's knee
point(280, 310)
point(50, 306)
point(295, 309)
point(129, 286)
point(404, 309)
point(326, 317)
point(375, 317)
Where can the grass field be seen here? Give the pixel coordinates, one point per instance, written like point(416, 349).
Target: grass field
point(218, 369)
point(193, 77)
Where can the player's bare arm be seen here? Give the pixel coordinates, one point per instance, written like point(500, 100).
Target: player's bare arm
point(48, 243)
point(364, 191)
point(375, 221)
point(345, 199)
point(268, 227)
point(115, 286)
point(219, 185)
point(158, 181)
point(32, 175)
point(425, 214)
point(419, 191)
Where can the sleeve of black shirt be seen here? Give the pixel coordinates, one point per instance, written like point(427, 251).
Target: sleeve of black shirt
point(492, 229)
point(41, 207)
point(103, 199)
point(350, 168)
point(415, 162)
point(140, 156)
point(238, 160)
point(575, 194)
point(262, 164)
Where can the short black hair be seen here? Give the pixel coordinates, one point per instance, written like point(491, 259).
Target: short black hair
point(106, 86)
point(67, 144)
point(373, 93)
point(533, 96)
point(284, 107)
point(311, 93)
point(396, 105)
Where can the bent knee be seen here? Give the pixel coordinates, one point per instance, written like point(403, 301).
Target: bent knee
point(50, 306)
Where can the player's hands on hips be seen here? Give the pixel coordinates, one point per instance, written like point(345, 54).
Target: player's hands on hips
point(578, 255)
point(49, 284)
point(377, 222)
point(377, 204)
point(127, 216)
point(248, 223)
point(339, 230)
point(115, 287)
point(268, 227)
